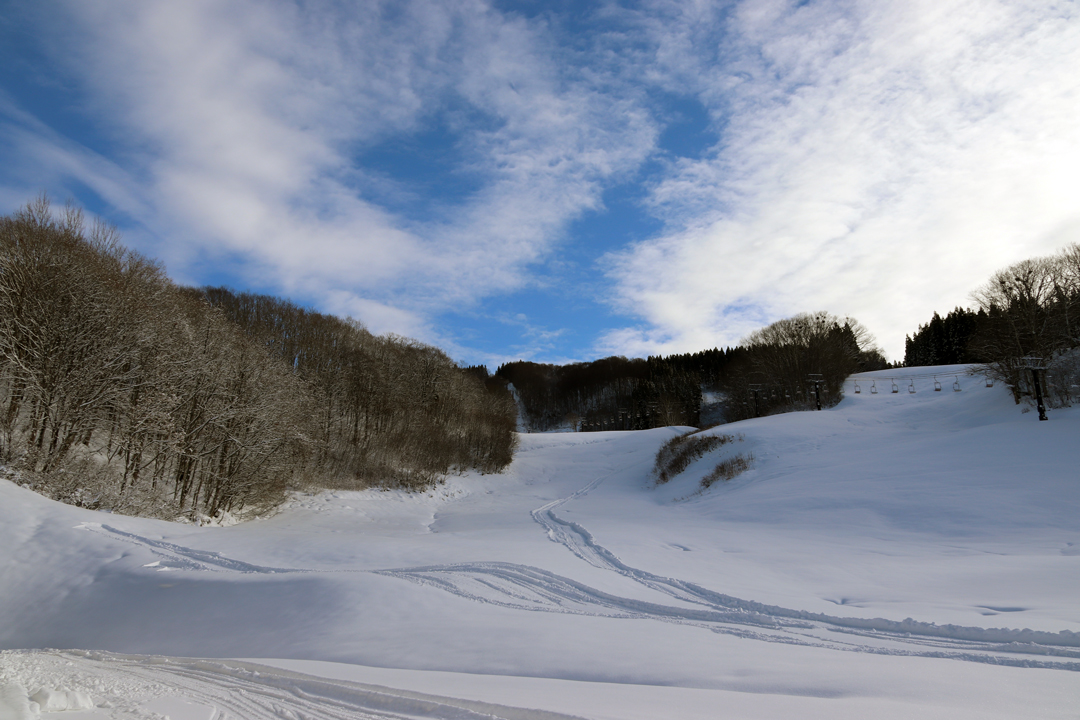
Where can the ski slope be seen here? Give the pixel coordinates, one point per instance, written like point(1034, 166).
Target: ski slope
point(900, 555)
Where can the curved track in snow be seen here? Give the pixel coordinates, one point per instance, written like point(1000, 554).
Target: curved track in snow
point(178, 557)
point(140, 686)
point(530, 588)
point(525, 587)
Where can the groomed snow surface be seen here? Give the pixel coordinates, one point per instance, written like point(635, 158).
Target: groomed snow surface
point(899, 556)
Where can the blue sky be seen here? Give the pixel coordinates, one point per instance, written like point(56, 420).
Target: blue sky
point(559, 181)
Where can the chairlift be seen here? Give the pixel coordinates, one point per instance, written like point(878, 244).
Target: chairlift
point(911, 387)
point(873, 388)
point(956, 385)
point(857, 388)
point(937, 385)
point(989, 381)
point(895, 387)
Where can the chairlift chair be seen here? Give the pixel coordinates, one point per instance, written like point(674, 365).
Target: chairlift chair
point(873, 388)
point(911, 387)
point(956, 385)
point(989, 381)
point(895, 387)
point(857, 388)
point(937, 385)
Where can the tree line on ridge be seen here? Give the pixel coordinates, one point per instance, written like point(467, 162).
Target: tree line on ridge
point(122, 390)
point(771, 371)
point(1030, 309)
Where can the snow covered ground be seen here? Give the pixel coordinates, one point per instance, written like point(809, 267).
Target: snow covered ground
point(901, 555)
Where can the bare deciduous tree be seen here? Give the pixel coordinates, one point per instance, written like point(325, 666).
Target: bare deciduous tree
point(165, 400)
point(1031, 309)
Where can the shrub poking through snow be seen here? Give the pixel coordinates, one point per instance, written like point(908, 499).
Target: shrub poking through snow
point(676, 454)
point(727, 469)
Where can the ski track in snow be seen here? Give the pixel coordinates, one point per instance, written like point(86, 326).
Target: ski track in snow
point(524, 587)
point(178, 557)
point(530, 588)
point(130, 686)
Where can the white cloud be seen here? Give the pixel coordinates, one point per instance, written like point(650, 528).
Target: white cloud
point(880, 160)
point(48, 160)
point(239, 122)
point(877, 158)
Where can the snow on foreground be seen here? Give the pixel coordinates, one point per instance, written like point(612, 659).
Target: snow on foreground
point(901, 555)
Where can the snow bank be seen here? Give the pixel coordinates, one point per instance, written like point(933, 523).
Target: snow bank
point(55, 700)
point(15, 704)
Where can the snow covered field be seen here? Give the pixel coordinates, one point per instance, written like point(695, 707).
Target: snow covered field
point(901, 555)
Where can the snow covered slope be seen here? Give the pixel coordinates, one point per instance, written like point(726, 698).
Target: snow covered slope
point(899, 555)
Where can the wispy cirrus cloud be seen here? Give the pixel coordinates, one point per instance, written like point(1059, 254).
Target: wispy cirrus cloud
point(434, 168)
point(878, 160)
point(241, 123)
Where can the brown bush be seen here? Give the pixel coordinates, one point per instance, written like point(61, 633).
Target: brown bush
point(676, 454)
point(727, 470)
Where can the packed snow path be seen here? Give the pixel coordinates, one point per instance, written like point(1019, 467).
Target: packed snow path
point(145, 687)
point(868, 552)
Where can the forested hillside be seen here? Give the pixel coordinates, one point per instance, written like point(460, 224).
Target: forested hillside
point(120, 390)
point(1028, 310)
point(613, 393)
point(772, 370)
point(798, 363)
point(388, 407)
point(945, 341)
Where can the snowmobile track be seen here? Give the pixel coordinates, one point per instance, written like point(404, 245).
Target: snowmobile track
point(530, 588)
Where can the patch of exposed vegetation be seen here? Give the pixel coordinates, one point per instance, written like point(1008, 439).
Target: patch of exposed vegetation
point(727, 470)
point(676, 454)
